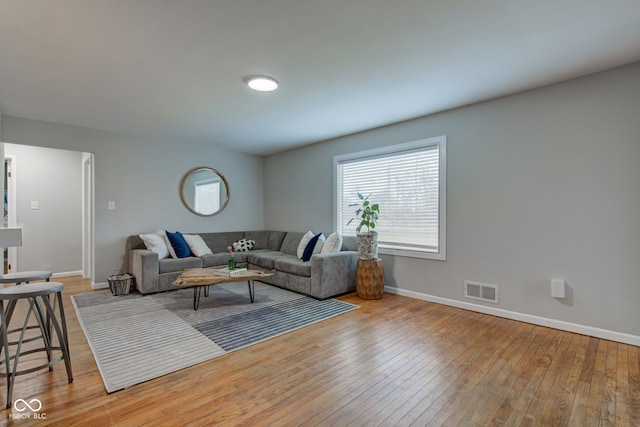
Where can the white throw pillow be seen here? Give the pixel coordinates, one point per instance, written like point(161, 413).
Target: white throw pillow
point(318, 248)
point(303, 243)
point(156, 243)
point(172, 252)
point(197, 244)
point(332, 244)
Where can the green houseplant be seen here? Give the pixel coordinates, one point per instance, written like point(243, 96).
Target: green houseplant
point(368, 214)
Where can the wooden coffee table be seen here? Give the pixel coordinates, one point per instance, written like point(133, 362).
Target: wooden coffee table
point(196, 278)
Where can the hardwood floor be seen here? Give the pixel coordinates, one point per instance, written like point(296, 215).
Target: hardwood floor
point(394, 362)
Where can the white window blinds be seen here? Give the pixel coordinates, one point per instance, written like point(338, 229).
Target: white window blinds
point(207, 197)
point(406, 183)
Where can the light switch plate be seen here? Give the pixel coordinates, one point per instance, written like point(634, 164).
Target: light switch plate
point(557, 288)
point(35, 204)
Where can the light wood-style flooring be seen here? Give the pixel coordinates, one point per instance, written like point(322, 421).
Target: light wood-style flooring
point(393, 362)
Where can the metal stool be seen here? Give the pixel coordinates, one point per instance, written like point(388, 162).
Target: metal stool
point(25, 276)
point(37, 294)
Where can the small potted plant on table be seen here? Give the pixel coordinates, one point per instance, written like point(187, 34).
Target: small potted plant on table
point(369, 269)
point(367, 213)
point(231, 264)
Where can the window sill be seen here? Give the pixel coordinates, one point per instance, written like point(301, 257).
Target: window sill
point(412, 253)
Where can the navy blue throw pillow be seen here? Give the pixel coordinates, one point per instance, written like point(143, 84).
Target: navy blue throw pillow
point(180, 245)
point(308, 250)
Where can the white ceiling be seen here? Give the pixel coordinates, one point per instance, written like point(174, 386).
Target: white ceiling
point(174, 69)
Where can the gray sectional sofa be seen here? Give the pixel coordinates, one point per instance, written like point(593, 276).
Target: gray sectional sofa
point(324, 276)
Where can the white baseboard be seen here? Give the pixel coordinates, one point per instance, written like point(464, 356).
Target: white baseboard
point(67, 274)
point(103, 285)
point(528, 318)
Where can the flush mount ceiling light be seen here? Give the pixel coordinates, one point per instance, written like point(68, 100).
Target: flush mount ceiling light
point(261, 83)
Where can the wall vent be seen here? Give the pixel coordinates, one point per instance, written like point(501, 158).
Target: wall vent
point(481, 291)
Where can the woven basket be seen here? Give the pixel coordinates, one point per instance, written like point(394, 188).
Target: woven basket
point(120, 283)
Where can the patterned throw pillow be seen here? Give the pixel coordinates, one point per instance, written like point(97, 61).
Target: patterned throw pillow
point(243, 245)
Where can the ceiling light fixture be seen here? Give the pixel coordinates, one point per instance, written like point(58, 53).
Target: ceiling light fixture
point(261, 83)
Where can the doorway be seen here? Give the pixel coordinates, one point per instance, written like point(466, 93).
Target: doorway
point(87, 215)
point(10, 255)
point(47, 179)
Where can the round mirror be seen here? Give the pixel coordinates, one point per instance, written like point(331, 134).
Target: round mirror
point(204, 191)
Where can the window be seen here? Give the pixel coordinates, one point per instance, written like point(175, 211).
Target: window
point(408, 181)
point(207, 196)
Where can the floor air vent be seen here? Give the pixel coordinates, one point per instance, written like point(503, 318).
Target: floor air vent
point(481, 291)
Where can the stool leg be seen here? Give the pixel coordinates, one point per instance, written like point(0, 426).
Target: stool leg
point(63, 319)
point(9, 313)
point(5, 345)
point(47, 328)
point(61, 333)
point(12, 375)
point(44, 323)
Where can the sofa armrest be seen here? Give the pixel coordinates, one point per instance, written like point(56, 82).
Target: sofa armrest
point(144, 265)
point(333, 273)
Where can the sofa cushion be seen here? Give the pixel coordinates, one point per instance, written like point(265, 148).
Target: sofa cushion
point(293, 265)
point(261, 239)
point(265, 259)
point(218, 242)
point(169, 265)
point(222, 258)
point(291, 242)
point(349, 243)
point(275, 240)
point(215, 260)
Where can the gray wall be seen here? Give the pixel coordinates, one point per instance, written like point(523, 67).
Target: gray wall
point(142, 177)
point(541, 184)
point(52, 234)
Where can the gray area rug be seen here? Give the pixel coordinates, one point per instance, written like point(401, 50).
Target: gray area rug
point(136, 338)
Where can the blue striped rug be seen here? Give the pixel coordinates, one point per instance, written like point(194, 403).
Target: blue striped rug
point(136, 338)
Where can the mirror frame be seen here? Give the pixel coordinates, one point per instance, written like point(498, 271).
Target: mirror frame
point(198, 169)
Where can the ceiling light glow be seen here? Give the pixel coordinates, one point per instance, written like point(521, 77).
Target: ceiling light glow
point(262, 83)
